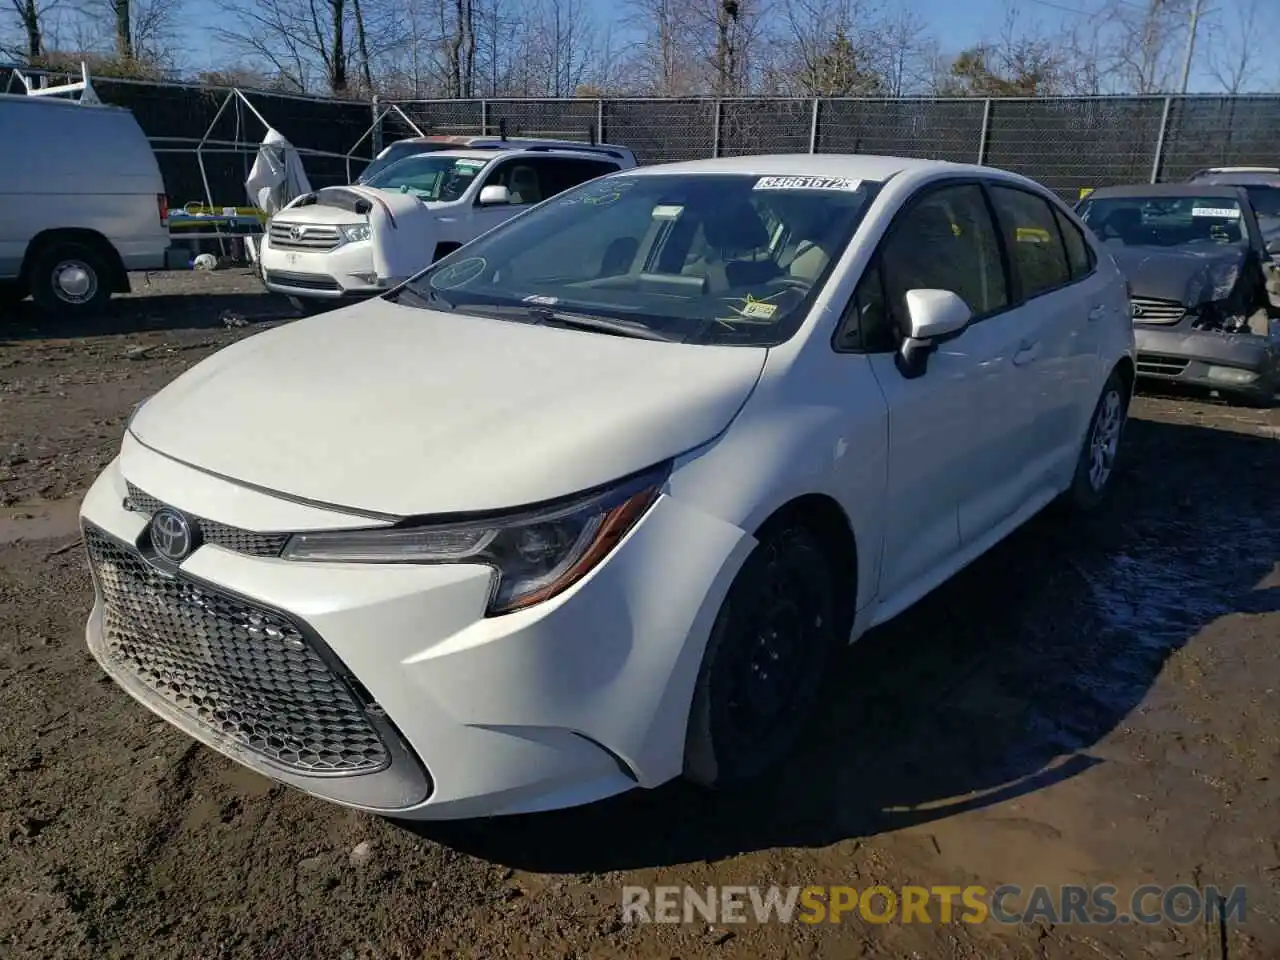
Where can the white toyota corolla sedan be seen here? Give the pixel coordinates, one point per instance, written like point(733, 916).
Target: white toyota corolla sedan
point(592, 502)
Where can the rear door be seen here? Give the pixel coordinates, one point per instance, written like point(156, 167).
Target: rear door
point(1059, 299)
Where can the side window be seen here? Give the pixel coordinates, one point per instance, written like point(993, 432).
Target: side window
point(558, 174)
point(1079, 256)
point(866, 325)
point(944, 241)
point(1036, 255)
point(520, 177)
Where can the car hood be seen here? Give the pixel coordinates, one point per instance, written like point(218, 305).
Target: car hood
point(1189, 277)
point(397, 410)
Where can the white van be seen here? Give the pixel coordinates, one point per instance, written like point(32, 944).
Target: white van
point(82, 203)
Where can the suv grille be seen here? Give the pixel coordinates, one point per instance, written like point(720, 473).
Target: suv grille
point(310, 236)
point(245, 673)
point(224, 535)
point(1151, 310)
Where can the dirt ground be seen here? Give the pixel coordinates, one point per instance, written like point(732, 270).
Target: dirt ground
point(1094, 702)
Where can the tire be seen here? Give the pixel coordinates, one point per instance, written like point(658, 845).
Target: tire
point(780, 616)
point(1096, 466)
point(70, 279)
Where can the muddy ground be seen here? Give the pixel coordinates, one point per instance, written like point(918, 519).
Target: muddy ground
point(1094, 702)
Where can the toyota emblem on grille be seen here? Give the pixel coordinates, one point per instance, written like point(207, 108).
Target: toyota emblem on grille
point(1138, 310)
point(296, 232)
point(171, 535)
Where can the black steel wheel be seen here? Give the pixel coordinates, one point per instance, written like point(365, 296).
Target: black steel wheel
point(765, 662)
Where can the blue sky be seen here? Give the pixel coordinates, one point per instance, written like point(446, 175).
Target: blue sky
point(959, 23)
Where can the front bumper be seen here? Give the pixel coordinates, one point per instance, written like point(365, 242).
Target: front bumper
point(345, 272)
point(576, 699)
point(1200, 357)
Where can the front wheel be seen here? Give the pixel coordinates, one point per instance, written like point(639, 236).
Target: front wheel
point(1097, 462)
point(769, 651)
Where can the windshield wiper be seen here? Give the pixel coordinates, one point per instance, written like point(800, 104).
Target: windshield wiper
point(610, 325)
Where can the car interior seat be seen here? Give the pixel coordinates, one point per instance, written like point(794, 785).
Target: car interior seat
point(731, 231)
point(524, 185)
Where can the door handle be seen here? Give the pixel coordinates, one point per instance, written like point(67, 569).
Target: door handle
point(1027, 352)
point(1097, 313)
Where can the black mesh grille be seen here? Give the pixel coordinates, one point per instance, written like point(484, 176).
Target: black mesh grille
point(232, 538)
point(244, 672)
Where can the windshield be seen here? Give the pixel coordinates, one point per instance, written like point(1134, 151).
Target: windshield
point(430, 177)
point(1165, 221)
point(396, 152)
point(712, 258)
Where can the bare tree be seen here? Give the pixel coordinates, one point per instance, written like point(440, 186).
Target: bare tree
point(31, 16)
point(1145, 42)
point(145, 31)
point(300, 39)
point(825, 48)
point(906, 52)
point(1234, 47)
point(663, 59)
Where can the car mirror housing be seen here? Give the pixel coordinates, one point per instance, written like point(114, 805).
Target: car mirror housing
point(494, 195)
point(931, 316)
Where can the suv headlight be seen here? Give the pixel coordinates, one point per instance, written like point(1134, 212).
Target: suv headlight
point(353, 232)
point(535, 554)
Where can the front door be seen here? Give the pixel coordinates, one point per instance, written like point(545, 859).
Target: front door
point(945, 426)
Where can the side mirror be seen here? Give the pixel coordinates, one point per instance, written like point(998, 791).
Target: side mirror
point(494, 195)
point(931, 315)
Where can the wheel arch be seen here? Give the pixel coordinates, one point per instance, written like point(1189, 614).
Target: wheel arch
point(822, 515)
point(118, 276)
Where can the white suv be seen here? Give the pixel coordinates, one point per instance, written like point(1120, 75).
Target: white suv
point(362, 239)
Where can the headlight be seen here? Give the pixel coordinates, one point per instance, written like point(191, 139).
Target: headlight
point(353, 232)
point(535, 554)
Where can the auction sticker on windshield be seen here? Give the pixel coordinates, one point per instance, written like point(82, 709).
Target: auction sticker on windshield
point(807, 183)
point(1228, 212)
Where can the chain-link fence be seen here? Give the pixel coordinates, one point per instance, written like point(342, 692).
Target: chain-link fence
point(1066, 143)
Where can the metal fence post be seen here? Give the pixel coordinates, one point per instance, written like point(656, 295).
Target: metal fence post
point(377, 126)
point(986, 131)
point(715, 132)
point(484, 118)
point(1160, 137)
point(813, 126)
point(600, 135)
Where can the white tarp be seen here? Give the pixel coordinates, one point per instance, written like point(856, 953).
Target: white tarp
point(277, 177)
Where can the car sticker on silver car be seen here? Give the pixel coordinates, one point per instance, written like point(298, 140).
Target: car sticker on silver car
point(807, 183)
point(1228, 212)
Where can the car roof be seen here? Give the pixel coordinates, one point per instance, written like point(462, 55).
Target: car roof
point(856, 166)
point(1167, 190)
point(495, 138)
point(1243, 178)
point(1238, 170)
point(480, 156)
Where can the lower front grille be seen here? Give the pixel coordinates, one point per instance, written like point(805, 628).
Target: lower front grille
point(244, 673)
point(1150, 364)
point(303, 281)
